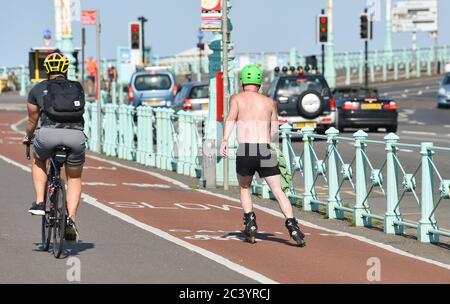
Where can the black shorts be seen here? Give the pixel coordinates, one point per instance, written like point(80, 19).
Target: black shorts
point(259, 158)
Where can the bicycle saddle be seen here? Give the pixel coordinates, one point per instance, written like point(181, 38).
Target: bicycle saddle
point(61, 154)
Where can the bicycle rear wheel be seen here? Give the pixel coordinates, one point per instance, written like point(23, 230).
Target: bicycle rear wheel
point(46, 226)
point(60, 211)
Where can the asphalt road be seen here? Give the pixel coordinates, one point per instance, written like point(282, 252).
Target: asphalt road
point(110, 251)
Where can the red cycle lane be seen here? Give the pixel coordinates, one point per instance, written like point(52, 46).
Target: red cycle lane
point(213, 223)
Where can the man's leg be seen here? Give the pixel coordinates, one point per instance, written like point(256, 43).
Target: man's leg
point(73, 175)
point(285, 205)
point(39, 174)
point(245, 195)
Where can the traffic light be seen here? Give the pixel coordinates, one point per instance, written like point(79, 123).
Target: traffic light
point(135, 35)
point(366, 31)
point(322, 29)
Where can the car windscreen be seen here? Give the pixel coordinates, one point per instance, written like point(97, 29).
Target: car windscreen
point(355, 93)
point(198, 92)
point(295, 86)
point(152, 82)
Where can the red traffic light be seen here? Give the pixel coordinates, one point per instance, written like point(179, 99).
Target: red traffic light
point(135, 28)
point(323, 20)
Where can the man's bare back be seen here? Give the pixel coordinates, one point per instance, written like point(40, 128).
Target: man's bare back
point(256, 117)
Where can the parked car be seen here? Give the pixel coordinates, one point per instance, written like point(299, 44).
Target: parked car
point(360, 107)
point(304, 99)
point(443, 98)
point(155, 88)
point(193, 96)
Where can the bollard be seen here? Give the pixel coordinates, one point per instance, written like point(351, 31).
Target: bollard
point(170, 139)
point(286, 143)
point(427, 219)
point(87, 124)
point(158, 138)
point(114, 92)
point(149, 127)
point(194, 145)
point(360, 185)
point(181, 141)
point(396, 68)
point(348, 75)
point(334, 199)
point(308, 163)
point(392, 210)
point(23, 84)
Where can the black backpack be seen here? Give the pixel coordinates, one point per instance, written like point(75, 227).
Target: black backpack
point(64, 101)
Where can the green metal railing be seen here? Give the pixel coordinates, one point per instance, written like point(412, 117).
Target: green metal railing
point(390, 179)
point(152, 137)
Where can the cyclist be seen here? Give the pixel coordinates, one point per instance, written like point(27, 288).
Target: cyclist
point(257, 124)
point(49, 134)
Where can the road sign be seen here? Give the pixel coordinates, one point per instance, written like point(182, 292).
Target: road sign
point(374, 9)
point(211, 20)
point(415, 16)
point(88, 18)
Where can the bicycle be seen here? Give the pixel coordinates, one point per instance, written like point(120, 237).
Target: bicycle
point(55, 219)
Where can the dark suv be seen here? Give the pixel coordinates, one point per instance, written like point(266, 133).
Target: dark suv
point(304, 99)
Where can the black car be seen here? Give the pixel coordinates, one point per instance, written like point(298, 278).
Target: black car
point(304, 99)
point(360, 107)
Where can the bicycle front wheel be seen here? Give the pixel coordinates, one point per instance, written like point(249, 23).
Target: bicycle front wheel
point(60, 210)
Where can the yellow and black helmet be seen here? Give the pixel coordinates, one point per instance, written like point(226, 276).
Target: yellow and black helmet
point(56, 63)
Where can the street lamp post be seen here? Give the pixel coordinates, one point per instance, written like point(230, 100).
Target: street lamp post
point(201, 47)
point(143, 20)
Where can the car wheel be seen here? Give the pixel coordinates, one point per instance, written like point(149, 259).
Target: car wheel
point(310, 104)
point(391, 129)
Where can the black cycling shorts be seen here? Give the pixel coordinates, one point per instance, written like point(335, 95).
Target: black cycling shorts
point(259, 158)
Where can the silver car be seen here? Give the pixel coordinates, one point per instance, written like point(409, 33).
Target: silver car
point(443, 98)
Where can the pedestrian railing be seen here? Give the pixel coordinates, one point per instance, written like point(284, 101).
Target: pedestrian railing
point(390, 185)
point(152, 137)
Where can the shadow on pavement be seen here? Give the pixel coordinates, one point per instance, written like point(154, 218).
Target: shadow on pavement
point(263, 236)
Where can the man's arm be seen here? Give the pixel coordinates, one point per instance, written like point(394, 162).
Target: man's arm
point(231, 119)
point(274, 122)
point(33, 118)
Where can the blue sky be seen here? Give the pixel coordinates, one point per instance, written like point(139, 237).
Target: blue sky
point(259, 25)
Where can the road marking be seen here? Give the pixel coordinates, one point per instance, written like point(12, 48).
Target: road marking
point(162, 234)
point(98, 184)
point(406, 150)
point(219, 259)
point(147, 185)
point(419, 133)
point(100, 168)
point(446, 126)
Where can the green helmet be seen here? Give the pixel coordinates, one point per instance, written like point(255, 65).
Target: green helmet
point(252, 74)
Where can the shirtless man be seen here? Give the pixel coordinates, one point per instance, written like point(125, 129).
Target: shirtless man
point(257, 124)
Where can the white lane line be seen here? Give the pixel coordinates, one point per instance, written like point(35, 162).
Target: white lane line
point(100, 168)
point(147, 185)
point(98, 184)
point(419, 133)
point(162, 234)
point(446, 126)
point(15, 127)
point(267, 210)
point(406, 150)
